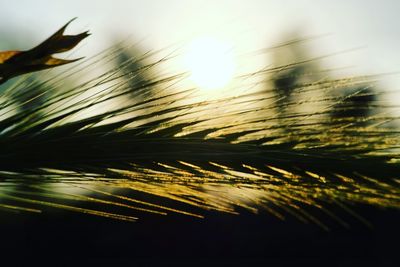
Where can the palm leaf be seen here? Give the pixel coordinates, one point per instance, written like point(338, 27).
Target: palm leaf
point(14, 63)
point(117, 146)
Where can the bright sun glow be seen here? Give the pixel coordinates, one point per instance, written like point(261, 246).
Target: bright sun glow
point(210, 63)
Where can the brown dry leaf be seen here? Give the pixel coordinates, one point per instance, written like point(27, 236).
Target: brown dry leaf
point(14, 63)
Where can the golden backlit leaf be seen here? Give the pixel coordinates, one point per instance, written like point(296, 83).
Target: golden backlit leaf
point(5, 55)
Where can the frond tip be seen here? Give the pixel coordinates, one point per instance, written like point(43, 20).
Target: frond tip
point(14, 63)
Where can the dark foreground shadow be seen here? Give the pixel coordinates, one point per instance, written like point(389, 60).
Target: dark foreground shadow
point(225, 240)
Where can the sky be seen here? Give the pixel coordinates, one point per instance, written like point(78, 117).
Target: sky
point(369, 25)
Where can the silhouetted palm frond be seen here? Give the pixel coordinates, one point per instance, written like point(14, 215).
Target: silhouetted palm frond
point(114, 147)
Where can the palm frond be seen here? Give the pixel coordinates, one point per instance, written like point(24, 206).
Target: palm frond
point(129, 141)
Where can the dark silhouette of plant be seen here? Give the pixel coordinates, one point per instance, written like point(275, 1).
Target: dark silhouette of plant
point(14, 63)
point(86, 148)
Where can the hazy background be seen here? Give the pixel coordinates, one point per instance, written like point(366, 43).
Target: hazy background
point(249, 25)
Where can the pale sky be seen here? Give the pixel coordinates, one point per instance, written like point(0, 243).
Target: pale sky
point(251, 24)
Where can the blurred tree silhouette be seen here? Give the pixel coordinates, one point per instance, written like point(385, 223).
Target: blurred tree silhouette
point(134, 71)
point(357, 102)
point(294, 71)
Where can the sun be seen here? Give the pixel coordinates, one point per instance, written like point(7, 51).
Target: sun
point(210, 62)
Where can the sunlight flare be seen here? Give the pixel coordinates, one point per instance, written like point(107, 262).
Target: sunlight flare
point(210, 62)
